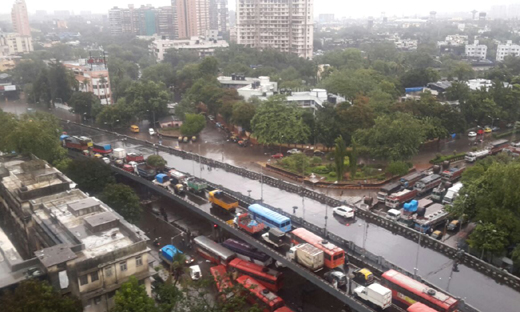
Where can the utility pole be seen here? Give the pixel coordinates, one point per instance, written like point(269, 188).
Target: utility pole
point(416, 268)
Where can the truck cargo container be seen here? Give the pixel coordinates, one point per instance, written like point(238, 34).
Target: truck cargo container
point(307, 255)
point(222, 200)
point(474, 156)
point(430, 217)
point(119, 153)
point(103, 149)
point(137, 157)
point(145, 171)
point(162, 180)
point(452, 193)
point(497, 146)
point(408, 181)
point(177, 176)
point(81, 143)
point(397, 199)
point(452, 174)
point(375, 294)
point(427, 184)
point(244, 222)
point(388, 189)
point(196, 186)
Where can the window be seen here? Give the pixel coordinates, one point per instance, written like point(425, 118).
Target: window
point(108, 271)
point(138, 261)
point(83, 280)
point(94, 277)
point(122, 266)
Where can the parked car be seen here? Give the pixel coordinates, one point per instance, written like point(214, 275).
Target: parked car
point(294, 151)
point(134, 129)
point(487, 129)
point(437, 235)
point(195, 272)
point(343, 211)
point(495, 129)
point(277, 156)
point(472, 134)
point(106, 160)
point(319, 153)
point(151, 131)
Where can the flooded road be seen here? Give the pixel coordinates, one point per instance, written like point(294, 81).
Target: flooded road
point(468, 284)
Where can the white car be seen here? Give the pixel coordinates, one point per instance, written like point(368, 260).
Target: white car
point(344, 211)
point(151, 131)
point(472, 134)
point(106, 160)
point(195, 273)
point(294, 151)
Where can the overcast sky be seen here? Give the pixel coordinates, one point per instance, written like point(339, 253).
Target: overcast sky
point(340, 8)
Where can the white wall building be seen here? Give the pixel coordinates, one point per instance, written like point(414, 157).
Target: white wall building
point(509, 48)
point(15, 44)
point(286, 26)
point(197, 44)
point(92, 78)
point(248, 87)
point(476, 50)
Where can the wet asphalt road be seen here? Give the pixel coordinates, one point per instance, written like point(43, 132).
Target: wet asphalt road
point(477, 289)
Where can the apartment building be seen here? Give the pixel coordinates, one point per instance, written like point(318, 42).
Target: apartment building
point(192, 17)
point(476, 50)
point(218, 15)
point(200, 45)
point(141, 21)
point(285, 25)
point(81, 245)
point(92, 76)
point(167, 22)
point(507, 49)
point(20, 18)
point(15, 44)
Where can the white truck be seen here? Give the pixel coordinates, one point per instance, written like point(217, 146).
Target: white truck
point(452, 193)
point(375, 294)
point(119, 153)
point(307, 255)
point(474, 156)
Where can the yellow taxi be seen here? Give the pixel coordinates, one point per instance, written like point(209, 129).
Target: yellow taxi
point(488, 130)
point(134, 129)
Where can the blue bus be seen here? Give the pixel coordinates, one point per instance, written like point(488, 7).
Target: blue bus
point(270, 218)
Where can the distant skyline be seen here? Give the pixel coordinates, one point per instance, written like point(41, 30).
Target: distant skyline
point(338, 7)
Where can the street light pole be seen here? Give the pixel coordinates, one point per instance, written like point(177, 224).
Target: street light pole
point(416, 268)
point(327, 207)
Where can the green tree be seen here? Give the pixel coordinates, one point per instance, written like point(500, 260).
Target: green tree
point(162, 72)
point(61, 82)
point(115, 116)
point(226, 111)
point(85, 104)
point(35, 295)
point(208, 66)
point(242, 115)
point(124, 200)
point(148, 99)
point(397, 168)
point(276, 122)
point(193, 124)
point(156, 161)
point(91, 175)
point(340, 152)
point(488, 238)
point(132, 297)
point(393, 137)
point(327, 127)
point(207, 92)
point(353, 158)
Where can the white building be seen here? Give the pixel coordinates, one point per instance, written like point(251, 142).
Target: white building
point(406, 44)
point(477, 84)
point(453, 40)
point(476, 50)
point(83, 247)
point(286, 26)
point(197, 44)
point(248, 87)
point(15, 44)
point(507, 49)
point(92, 78)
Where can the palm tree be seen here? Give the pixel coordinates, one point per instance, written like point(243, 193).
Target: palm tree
point(85, 84)
point(177, 268)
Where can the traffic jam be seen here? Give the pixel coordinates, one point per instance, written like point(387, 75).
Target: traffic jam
point(419, 199)
point(235, 262)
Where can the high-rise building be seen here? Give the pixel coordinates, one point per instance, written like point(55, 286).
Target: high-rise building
point(285, 26)
point(166, 22)
point(147, 21)
point(20, 18)
point(218, 15)
point(192, 17)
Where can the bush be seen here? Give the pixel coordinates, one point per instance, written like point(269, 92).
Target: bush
point(321, 170)
point(316, 160)
point(397, 168)
point(332, 174)
point(439, 159)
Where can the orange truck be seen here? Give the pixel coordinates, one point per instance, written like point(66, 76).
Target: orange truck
point(222, 200)
point(247, 224)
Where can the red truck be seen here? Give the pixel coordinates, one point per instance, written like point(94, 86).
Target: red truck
point(395, 200)
point(247, 224)
point(452, 174)
point(77, 143)
point(137, 157)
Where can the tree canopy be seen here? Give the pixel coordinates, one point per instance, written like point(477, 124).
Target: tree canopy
point(193, 124)
point(123, 199)
point(35, 295)
point(132, 297)
point(156, 161)
point(91, 175)
point(276, 122)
